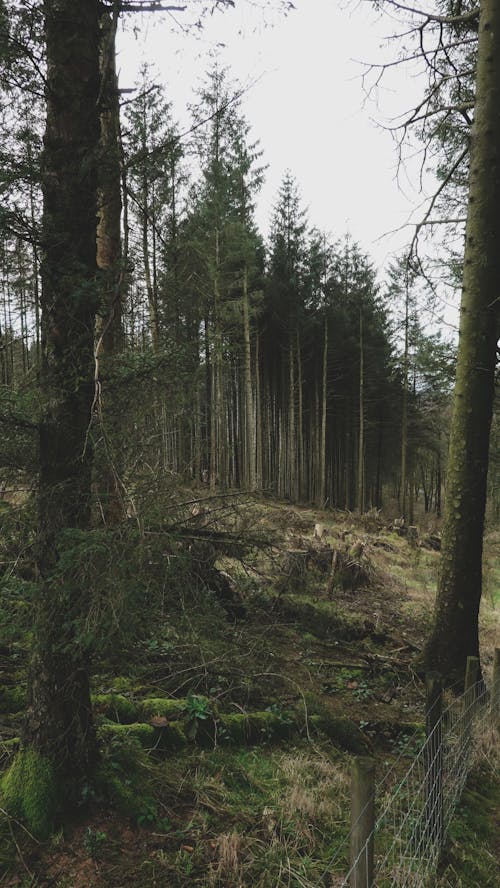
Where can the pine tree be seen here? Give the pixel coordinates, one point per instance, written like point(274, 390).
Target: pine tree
point(59, 747)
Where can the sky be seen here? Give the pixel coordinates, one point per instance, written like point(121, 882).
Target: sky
point(306, 105)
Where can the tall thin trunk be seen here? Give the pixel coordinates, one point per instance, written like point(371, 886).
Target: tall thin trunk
point(404, 416)
point(301, 467)
point(250, 439)
point(322, 458)
point(109, 327)
point(148, 276)
point(259, 445)
point(59, 722)
point(455, 634)
point(361, 429)
point(292, 439)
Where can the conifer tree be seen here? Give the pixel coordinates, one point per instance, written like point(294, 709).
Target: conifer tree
point(59, 747)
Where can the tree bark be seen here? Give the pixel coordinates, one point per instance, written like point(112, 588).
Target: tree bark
point(109, 330)
point(250, 438)
point(360, 499)
point(455, 633)
point(322, 457)
point(59, 720)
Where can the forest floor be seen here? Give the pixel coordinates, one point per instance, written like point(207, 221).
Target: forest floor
point(231, 697)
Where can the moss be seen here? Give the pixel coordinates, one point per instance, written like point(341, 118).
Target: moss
point(125, 684)
point(143, 734)
point(29, 791)
point(256, 727)
point(171, 736)
point(163, 706)
point(116, 707)
point(11, 745)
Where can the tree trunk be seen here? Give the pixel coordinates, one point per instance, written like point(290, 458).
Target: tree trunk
point(361, 432)
point(301, 465)
point(322, 457)
point(455, 633)
point(59, 720)
point(250, 440)
point(404, 417)
point(292, 486)
point(258, 418)
point(109, 329)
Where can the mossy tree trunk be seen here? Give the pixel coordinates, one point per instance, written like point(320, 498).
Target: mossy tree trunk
point(59, 720)
point(455, 632)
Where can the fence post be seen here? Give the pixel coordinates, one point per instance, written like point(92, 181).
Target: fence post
point(470, 696)
point(362, 822)
point(495, 691)
point(434, 762)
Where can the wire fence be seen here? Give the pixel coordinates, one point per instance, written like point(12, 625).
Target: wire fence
point(402, 845)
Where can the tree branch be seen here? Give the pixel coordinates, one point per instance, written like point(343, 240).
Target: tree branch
point(471, 16)
point(149, 6)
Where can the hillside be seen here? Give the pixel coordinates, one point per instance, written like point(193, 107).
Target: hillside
point(246, 650)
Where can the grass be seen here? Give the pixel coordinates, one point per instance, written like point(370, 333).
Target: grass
point(471, 856)
point(271, 808)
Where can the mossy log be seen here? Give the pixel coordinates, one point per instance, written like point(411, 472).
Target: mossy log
point(167, 737)
point(241, 729)
point(126, 710)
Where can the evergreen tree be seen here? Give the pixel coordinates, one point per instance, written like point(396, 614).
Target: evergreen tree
point(59, 748)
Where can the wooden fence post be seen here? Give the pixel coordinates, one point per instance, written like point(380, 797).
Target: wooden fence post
point(433, 811)
point(495, 691)
point(470, 697)
point(362, 822)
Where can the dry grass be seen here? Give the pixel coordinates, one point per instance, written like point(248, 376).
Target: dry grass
point(230, 853)
point(317, 792)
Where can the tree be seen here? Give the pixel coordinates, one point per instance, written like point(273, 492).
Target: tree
point(459, 48)
point(455, 633)
point(283, 314)
point(59, 747)
point(226, 246)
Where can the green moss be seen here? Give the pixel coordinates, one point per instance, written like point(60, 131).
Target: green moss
point(11, 745)
point(116, 707)
point(125, 711)
point(256, 727)
point(163, 706)
point(29, 791)
point(171, 736)
point(143, 735)
point(125, 684)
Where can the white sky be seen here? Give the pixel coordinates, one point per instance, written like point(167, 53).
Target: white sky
point(307, 107)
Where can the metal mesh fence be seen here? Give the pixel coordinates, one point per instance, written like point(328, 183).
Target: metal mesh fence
point(415, 814)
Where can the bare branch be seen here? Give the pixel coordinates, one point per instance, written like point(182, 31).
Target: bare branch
point(149, 6)
point(471, 16)
point(435, 196)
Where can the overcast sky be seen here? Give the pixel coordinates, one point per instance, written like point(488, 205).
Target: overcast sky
point(306, 106)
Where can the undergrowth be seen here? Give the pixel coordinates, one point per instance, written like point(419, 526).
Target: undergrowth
point(227, 709)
